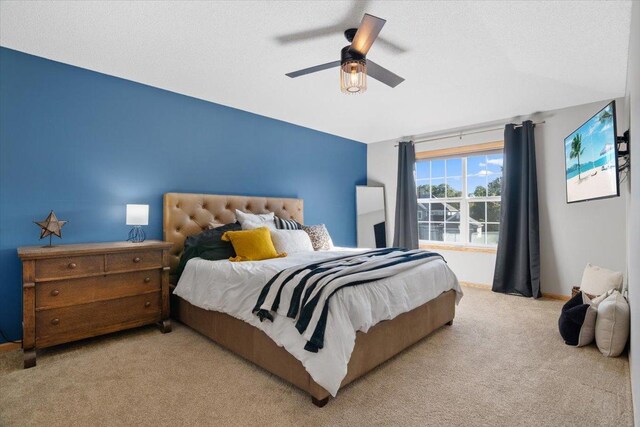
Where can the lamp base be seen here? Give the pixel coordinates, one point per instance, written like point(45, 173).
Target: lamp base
point(136, 235)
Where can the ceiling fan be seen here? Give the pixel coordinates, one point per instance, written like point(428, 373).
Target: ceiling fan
point(354, 65)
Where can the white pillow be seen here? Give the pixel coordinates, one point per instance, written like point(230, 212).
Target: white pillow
point(291, 241)
point(597, 280)
point(249, 221)
point(612, 324)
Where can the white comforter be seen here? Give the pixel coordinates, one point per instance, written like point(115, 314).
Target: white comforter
point(234, 287)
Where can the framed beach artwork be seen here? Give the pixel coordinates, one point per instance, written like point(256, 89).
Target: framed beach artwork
point(591, 158)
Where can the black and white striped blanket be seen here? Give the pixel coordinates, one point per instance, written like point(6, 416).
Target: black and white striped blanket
point(312, 285)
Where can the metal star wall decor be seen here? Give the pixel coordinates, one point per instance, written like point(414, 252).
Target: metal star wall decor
point(50, 226)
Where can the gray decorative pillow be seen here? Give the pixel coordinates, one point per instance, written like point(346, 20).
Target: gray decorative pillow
point(250, 221)
point(319, 235)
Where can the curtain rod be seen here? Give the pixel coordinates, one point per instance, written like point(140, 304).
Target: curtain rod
point(461, 134)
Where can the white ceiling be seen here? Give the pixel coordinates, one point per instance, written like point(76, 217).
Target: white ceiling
point(465, 62)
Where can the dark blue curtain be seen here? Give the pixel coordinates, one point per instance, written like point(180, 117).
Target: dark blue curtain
point(518, 257)
point(406, 226)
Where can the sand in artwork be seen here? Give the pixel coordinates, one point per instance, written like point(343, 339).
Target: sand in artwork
point(592, 184)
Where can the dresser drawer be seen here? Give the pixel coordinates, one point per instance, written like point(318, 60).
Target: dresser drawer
point(69, 266)
point(127, 261)
point(80, 291)
point(63, 324)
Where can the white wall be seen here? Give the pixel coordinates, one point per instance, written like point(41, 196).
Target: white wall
point(570, 235)
point(573, 234)
point(471, 267)
point(633, 257)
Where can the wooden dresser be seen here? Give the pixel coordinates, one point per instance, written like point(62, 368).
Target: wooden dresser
point(72, 292)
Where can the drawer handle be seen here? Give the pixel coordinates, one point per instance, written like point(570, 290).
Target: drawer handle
point(147, 279)
point(137, 259)
point(147, 304)
point(55, 321)
point(55, 293)
point(72, 265)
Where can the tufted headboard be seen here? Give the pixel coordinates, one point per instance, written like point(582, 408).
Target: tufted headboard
point(185, 214)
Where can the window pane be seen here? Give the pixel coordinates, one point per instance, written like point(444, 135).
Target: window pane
point(423, 211)
point(477, 234)
point(423, 189)
point(494, 174)
point(453, 212)
point(437, 231)
point(477, 186)
point(453, 233)
point(454, 186)
point(454, 167)
point(476, 212)
point(437, 212)
point(494, 163)
point(437, 169)
point(493, 211)
point(476, 165)
point(494, 185)
point(492, 234)
point(422, 169)
point(423, 231)
point(438, 188)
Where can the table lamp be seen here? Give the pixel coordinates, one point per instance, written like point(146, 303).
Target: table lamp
point(137, 215)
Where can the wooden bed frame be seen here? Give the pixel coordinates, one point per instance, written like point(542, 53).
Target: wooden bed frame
point(187, 214)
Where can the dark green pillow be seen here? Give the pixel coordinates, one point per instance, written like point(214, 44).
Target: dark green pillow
point(208, 245)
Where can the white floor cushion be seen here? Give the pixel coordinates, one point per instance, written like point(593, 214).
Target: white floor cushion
point(597, 280)
point(612, 324)
point(588, 330)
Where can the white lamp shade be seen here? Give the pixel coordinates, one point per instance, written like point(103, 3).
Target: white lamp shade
point(137, 214)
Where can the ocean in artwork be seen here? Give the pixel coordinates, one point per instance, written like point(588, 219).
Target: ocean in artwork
point(586, 167)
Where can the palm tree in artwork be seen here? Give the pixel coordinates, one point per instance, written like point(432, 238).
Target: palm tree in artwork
point(606, 115)
point(576, 151)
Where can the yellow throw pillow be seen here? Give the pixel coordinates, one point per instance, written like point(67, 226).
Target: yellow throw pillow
point(252, 245)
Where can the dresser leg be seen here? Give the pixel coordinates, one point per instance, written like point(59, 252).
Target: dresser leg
point(29, 357)
point(165, 326)
point(450, 322)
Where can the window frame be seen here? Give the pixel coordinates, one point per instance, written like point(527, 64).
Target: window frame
point(464, 152)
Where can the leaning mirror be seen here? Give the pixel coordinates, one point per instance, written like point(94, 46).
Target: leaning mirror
point(371, 217)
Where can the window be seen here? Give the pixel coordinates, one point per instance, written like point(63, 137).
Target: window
point(459, 198)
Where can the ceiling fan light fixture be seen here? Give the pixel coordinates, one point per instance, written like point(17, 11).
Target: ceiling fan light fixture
point(353, 77)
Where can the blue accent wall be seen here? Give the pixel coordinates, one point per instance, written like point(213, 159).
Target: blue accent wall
point(85, 144)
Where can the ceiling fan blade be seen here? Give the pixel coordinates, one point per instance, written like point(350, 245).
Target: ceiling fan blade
point(309, 34)
point(367, 32)
point(313, 69)
point(353, 14)
point(382, 74)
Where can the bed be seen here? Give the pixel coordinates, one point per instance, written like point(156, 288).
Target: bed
point(187, 214)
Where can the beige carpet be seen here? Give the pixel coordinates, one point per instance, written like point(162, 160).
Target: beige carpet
point(501, 363)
